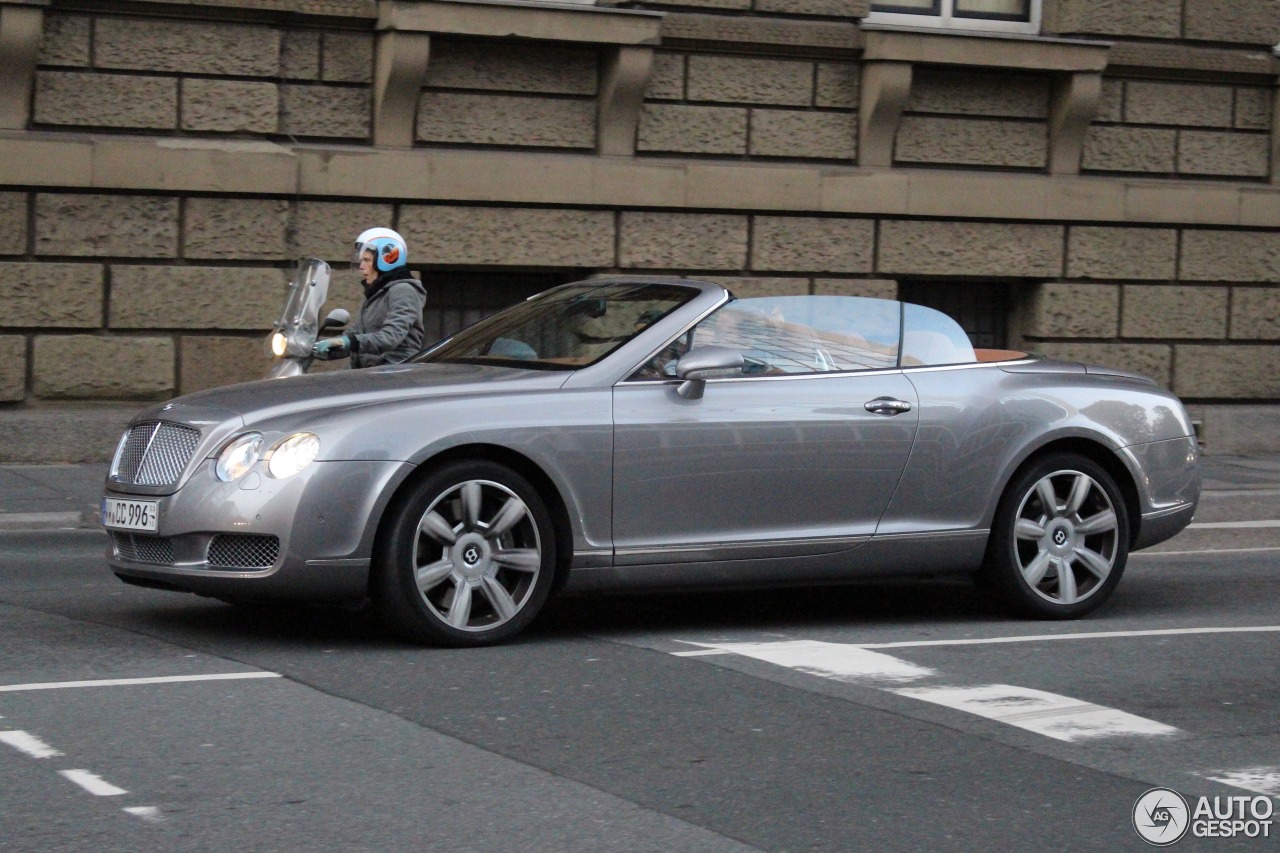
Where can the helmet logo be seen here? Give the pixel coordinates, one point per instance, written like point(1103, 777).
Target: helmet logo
point(390, 253)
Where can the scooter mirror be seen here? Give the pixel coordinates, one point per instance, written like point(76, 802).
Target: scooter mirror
point(336, 319)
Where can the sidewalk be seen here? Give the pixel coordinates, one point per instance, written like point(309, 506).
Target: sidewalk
point(45, 497)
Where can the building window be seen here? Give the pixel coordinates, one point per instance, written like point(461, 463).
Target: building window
point(981, 308)
point(991, 15)
point(455, 300)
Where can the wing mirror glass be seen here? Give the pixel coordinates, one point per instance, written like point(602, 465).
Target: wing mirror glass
point(336, 319)
point(702, 363)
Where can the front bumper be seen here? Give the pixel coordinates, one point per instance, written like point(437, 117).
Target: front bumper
point(309, 536)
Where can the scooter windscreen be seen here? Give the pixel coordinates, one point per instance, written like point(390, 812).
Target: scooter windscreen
point(299, 323)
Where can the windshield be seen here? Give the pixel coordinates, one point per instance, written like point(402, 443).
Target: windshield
point(563, 329)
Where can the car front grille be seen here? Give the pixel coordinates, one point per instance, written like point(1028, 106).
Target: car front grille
point(142, 549)
point(243, 551)
point(154, 453)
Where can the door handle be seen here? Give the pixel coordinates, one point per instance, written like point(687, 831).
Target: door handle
point(887, 406)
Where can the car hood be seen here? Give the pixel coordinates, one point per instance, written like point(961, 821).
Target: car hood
point(256, 401)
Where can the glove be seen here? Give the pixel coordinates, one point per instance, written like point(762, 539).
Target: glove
point(331, 348)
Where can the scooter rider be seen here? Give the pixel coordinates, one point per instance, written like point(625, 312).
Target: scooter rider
point(388, 326)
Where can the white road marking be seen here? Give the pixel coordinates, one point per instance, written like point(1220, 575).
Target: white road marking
point(1202, 551)
point(30, 744)
point(1095, 635)
point(92, 782)
point(1049, 714)
point(1260, 780)
point(838, 661)
point(147, 813)
point(1233, 525)
point(122, 682)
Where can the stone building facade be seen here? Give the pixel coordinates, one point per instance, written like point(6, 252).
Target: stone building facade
point(1093, 179)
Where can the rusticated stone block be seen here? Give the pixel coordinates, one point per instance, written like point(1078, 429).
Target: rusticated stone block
point(230, 106)
point(1129, 149)
point(212, 361)
point(1255, 313)
point(1143, 18)
point(872, 288)
point(66, 40)
point(1111, 253)
point(812, 243)
point(751, 81)
point(666, 80)
point(950, 91)
point(105, 100)
point(188, 47)
point(1230, 255)
point(741, 5)
point(154, 297)
point(13, 223)
point(1174, 311)
point(1111, 101)
point(692, 130)
point(506, 120)
point(348, 57)
point(121, 226)
point(513, 68)
point(1233, 372)
point(13, 368)
point(1154, 360)
point(1187, 104)
point(802, 134)
point(757, 288)
point(1064, 310)
point(1243, 21)
point(1205, 152)
point(972, 142)
point(235, 228)
point(70, 367)
point(328, 230)
point(837, 86)
point(683, 241)
point(300, 55)
point(509, 236)
point(327, 111)
point(51, 296)
point(970, 248)
point(830, 8)
point(1253, 108)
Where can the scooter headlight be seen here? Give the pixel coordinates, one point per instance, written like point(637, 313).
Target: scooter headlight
point(279, 344)
point(238, 457)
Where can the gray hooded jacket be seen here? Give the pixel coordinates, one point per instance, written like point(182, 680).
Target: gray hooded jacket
point(388, 326)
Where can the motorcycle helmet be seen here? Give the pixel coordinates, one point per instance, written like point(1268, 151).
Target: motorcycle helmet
point(388, 247)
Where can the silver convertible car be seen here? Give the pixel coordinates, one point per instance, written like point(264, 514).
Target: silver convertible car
point(620, 433)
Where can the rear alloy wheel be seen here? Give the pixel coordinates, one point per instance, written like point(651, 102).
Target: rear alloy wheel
point(471, 557)
point(1060, 539)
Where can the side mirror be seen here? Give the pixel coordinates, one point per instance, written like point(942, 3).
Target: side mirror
point(702, 363)
point(336, 319)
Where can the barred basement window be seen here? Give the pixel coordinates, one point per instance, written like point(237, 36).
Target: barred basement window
point(981, 308)
point(992, 15)
point(455, 300)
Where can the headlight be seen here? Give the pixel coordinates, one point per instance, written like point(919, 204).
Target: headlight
point(291, 455)
point(279, 343)
point(238, 457)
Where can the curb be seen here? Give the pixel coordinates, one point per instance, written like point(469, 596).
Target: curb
point(20, 521)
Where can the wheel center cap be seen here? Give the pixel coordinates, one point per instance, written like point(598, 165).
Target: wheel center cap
point(1062, 538)
point(471, 556)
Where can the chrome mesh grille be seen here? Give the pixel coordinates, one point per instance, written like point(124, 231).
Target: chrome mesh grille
point(155, 453)
point(243, 551)
point(142, 549)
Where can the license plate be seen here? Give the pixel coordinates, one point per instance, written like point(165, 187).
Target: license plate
point(130, 515)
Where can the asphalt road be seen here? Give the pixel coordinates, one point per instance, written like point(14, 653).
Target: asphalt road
point(884, 717)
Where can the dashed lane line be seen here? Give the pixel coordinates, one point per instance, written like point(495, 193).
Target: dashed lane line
point(1233, 525)
point(28, 744)
point(124, 682)
point(92, 782)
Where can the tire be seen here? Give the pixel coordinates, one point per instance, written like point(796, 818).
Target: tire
point(1058, 562)
point(469, 557)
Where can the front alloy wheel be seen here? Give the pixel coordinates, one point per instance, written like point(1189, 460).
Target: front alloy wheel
point(1060, 540)
point(471, 557)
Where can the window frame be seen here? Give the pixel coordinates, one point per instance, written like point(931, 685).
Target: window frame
point(944, 18)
